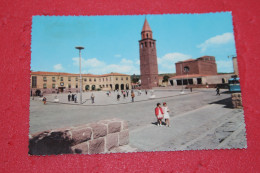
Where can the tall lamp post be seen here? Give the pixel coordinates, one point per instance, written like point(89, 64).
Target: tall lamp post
point(80, 77)
point(182, 91)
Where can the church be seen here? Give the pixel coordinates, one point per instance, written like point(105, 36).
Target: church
point(196, 72)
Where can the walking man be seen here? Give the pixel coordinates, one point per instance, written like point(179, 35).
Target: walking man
point(133, 96)
point(217, 91)
point(92, 98)
point(69, 97)
point(75, 98)
point(72, 97)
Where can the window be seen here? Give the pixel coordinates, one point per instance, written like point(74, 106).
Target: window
point(145, 44)
point(76, 85)
point(44, 85)
point(110, 78)
point(150, 44)
point(142, 45)
point(103, 79)
point(153, 44)
point(99, 80)
point(90, 79)
point(106, 79)
point(122, 78)
point(147, 35)
point(106, 85)
point(116, 78)
point(85, 79)
point(126, 78)
point(44, 78)
point(53, 79)
point(69, 78)
point(186, 69)
point(34, 81)
point(199, 81)
point(61, 78)
point(76, 78)
point(53, 85)
point(94, 79)
point(69, 86)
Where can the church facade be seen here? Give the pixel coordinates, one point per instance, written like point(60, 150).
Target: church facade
point(148, 58)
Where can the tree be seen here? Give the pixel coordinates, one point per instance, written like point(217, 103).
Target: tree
point(165, 78)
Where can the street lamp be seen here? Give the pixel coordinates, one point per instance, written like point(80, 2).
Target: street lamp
point(182, 91)
point(80, 77)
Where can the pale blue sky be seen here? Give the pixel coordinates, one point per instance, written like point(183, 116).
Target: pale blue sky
point(111, 42)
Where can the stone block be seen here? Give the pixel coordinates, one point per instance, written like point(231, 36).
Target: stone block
point(111, 141)
point(104, 121)
point(99, 130)
point(125, 125)
point(81, 135)
point(114, 127)
point(124, 137)
point(97, 146)
point(81, 148)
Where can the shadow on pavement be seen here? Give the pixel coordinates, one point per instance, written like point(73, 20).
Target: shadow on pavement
point(227, 102)
point(155, 123)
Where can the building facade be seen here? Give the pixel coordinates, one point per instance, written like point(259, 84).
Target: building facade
point(53, 82)
point(205, 65)
point(235, 66)
point(148, 58)
point(200, 71)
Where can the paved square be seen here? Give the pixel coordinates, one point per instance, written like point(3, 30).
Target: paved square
point(199, 120)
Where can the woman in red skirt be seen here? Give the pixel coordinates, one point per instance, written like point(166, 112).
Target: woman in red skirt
point(159, 114)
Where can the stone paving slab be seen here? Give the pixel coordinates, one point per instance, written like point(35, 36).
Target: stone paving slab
point(183, 130)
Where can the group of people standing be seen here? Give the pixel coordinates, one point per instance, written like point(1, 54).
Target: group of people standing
point(72, 97)
point(162, 113)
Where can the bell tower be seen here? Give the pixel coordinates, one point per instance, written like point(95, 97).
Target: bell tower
point(148, 58)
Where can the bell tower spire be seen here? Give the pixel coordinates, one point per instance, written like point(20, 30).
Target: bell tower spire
point(148, 58)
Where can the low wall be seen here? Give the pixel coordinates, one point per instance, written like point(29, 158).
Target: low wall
point(91, 138)
point(237, 100)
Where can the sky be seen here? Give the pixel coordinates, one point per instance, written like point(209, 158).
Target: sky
point(111, 42)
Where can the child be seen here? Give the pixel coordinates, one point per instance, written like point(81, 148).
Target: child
point(44, 100)
point(166, 114)
point(159, 114)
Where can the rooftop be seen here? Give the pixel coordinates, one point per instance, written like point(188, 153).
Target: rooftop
point(74, 74)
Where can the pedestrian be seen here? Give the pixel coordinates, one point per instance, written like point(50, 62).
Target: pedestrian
point(146, 92)
point(127, 93)
point(118, 96)
point(93, 98)
point(44, 100)
point(166, 114)
point(133, 96)
point(159, 114)
point(69, 96)
point(75, 98)
point(72, 97)
point(190, 89)
point(124, 94)
point(217, 91)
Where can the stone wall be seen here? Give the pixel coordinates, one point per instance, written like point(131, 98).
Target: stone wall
point(91, 138)
point(237, 100)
